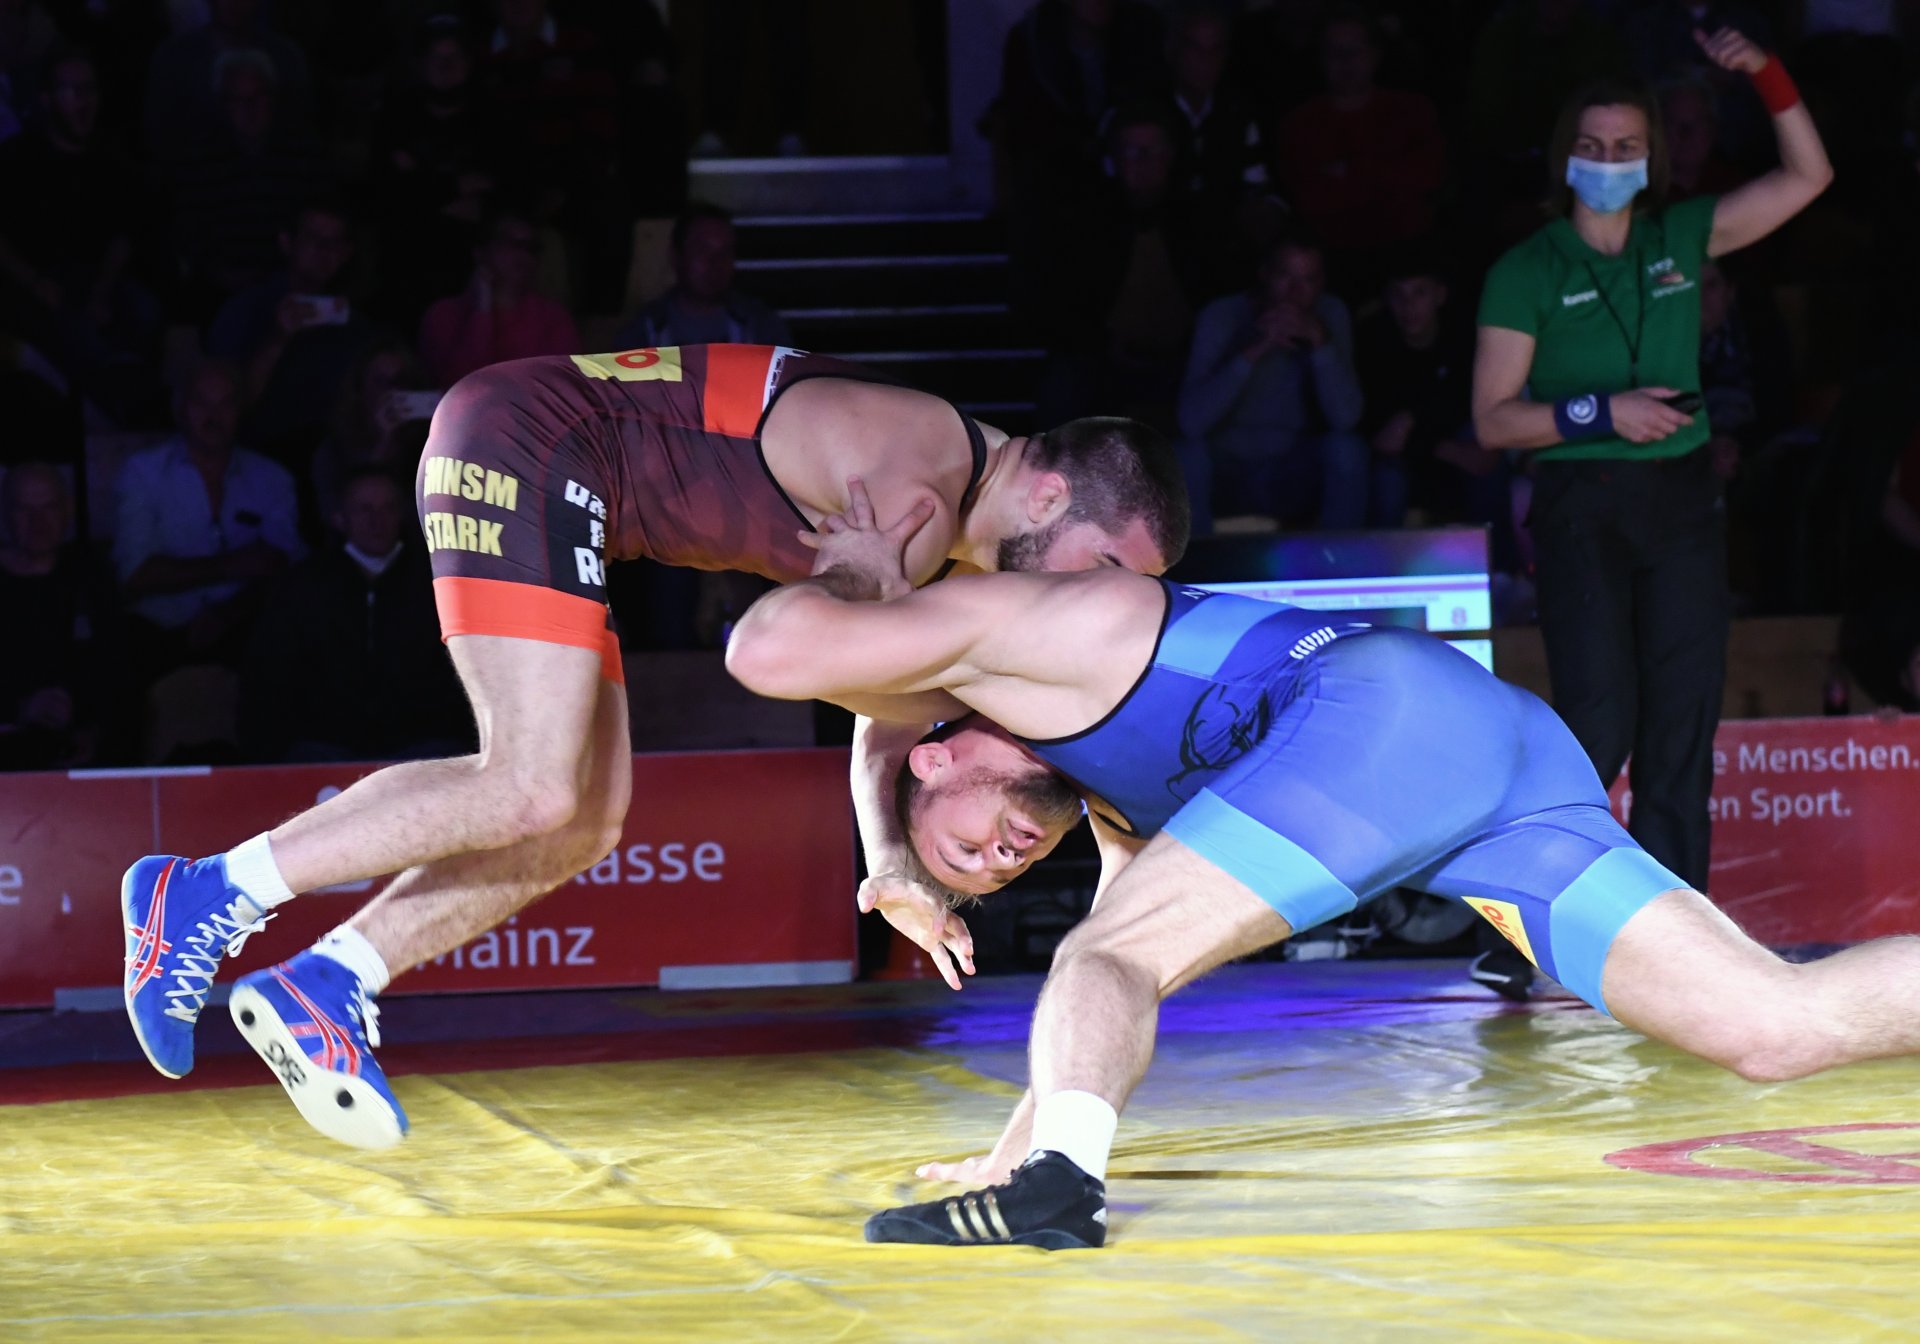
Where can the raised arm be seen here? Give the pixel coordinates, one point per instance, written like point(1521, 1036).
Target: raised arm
point(1749, 213)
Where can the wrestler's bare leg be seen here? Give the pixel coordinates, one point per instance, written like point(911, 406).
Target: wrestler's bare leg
point(1682, 972)
point(435, 907)
point(1169, 917)
point(535, 704)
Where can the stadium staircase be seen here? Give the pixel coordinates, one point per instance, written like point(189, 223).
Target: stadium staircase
point(922, 297)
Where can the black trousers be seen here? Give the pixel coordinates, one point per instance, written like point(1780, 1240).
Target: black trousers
point(1632, 560)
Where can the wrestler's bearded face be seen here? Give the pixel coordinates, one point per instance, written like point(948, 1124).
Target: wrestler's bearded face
point(1027, 552)
point(980, 829)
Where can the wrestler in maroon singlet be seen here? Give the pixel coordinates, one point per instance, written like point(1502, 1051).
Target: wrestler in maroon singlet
point(537, 472)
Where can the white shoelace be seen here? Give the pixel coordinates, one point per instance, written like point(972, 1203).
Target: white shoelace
point(369, 1013)
point(221, 934)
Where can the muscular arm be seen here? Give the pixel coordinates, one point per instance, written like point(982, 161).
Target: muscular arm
point(1751, 212)
point(1217, 371)
point(1502, 418)
point(1010, 645)
point(818, 640)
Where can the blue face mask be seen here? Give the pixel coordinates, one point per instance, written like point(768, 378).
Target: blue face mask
point(1606, 187)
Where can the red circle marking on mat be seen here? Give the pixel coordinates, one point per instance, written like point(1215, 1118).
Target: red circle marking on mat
point(1676, 1158)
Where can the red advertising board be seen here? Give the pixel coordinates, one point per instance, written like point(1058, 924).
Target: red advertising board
point(735, 868)
point(1816, 827)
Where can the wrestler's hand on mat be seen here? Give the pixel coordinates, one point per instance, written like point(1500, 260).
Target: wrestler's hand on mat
point(974, 1171)
point(924, 918)
point(853, 541)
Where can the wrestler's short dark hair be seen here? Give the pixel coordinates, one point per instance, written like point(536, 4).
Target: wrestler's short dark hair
point(1120, 470)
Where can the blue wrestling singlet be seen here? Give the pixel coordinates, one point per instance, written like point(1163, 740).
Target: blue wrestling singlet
point(1322, 762)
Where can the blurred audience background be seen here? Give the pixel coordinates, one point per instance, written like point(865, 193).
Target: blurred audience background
point(245, 245)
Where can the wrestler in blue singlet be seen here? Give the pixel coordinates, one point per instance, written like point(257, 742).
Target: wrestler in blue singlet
point(1322, 762)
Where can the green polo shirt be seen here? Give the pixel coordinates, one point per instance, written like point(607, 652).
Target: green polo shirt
point(1587, 312)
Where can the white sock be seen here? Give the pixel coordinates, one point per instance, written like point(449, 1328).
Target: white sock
point(348, 946)
point(251, 868)
point(1077, 1125)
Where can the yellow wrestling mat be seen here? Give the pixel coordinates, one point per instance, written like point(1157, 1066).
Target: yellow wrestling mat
point(1323, 1152)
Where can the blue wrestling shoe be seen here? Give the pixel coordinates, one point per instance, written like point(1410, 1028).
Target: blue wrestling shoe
point(181, 919)
point(1047, 1202)
point(315, 1026)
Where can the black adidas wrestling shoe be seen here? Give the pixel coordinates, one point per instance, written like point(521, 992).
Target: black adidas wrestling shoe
point(1505, 972)
point(1047, 1202)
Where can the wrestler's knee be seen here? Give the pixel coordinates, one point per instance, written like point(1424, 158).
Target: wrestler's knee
point(1781, 1050)
point(1114, 950)
point(1764, 1039)
point(534, 803)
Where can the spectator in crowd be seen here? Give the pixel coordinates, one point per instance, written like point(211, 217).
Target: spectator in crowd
point(1120, 280)
point(559, 135)
point(1692, 122)
point(1270, 409)
point(186, 103)
point(345, 663)
point(295, 333)
point(201, 525)
point(379, 420)
point(1067, 64)
point(55, 701)
point(703, 307)
point(432, 171)
point(1416, 361)
point(1225, 158)
point(499, 316)
point(1362, 166)
point(67, 219)
point(232, 196)
point(1589, 351)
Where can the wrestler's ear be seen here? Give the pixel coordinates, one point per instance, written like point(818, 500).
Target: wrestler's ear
point(1047, 497)
point(929, 760)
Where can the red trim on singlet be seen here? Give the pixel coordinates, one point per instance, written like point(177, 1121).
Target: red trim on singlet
point(527, 611)
point(736, 388)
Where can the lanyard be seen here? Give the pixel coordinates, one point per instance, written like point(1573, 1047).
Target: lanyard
point(1633, 340)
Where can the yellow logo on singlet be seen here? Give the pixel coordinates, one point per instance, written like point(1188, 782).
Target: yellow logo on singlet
point(653, 365)
point(1505, 916)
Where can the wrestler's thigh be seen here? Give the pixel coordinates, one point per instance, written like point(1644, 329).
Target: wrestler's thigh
point(1178, 914)
point(535, 703)
point(1682, 972)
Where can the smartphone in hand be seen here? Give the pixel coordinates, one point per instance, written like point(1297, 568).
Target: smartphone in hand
point(324, 310)
point(406, 406)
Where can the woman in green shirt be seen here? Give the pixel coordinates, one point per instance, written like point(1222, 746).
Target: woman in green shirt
point(1589, 353)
